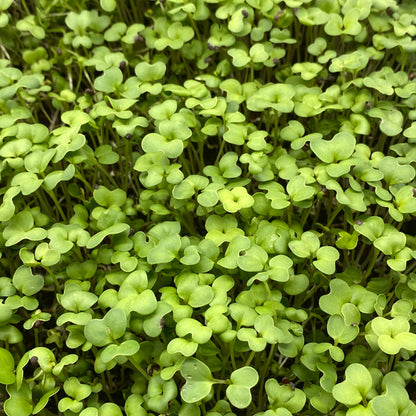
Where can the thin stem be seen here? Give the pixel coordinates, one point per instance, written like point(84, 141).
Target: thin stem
point(36, 334)
point(103, 382)
point(372, 263)
point(360, 253)
point(269, 293)
point(58, 205)
point(264, 371)
point(334, 215)
point(374, 359)
point(135, 364)
point(391, 362)
point(305, 216)
point(106, 174)
point(81, 177)
point(250, 358)
point(55, 279)
point(222, 144)
point(194, 26)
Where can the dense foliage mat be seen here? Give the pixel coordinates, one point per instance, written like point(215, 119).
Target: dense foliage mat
point(207, 207)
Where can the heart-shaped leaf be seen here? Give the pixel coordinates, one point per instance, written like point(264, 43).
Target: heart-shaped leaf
point(242, 380)
point(341, 147)
point(198, 378)
point(20, 400)
point(307, 246)
point(357, 384)
point(27, 283)
point(101, 332)
point(7, 367)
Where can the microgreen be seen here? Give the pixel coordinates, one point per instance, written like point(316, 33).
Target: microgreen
point(354, 389)
point(207, 207)
point(241, 381)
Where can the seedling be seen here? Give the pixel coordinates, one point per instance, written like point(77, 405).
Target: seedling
point(207, 208)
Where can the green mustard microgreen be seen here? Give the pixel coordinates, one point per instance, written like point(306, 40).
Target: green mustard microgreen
point(207, 207)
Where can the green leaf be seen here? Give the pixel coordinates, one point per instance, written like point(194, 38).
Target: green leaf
point(27, 283)
point(296, 284)
point(6, 313)
point(275, 96)
point(43, 401)
point(108, 5)
point(391, 241)
point(198, 379)
point(357, 384)
point(152, 325)
point(242, 380)
point(110, 81)
point(317, 47)
point(307, 70)
point(45, 359)
point(110, 409)
point(101, 332)
point(7, 367)
point(235, 199)
point(81, 271)
point(20, 400)
point(189, 186)
point(29, 24)
point(393, 334)
point(298, 190)
point(182, 346)
point(107, 198)
point(389, 403)
point(405, 200)
point(341, 147)
point(371, 227)
point(264, 325)
point(105, 155)
point(163, 111)
point(96, 239)
point(307, 246)
point(339, 331)
point(320, 399)
point(284, 398)
point(36, 317)
point(154, 142)
point(125, 349)
point(75, 389)
point(5, 4)
point(394, 172)
point(253, 259)
point(326, 258)
point(340, 294)
point(66, 360)
point(27, 182)
point(165, 251)
point(38, 160)
point(200, 333)
point(249, 335)
point(144, 303)
point(150, 72)
point(391, 120)
point(53, 178)
point(351, 62)
point(351, 314)
point(76, 300)
point(21, 228)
